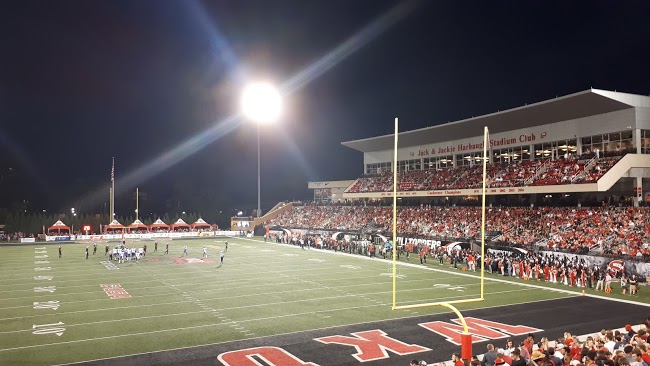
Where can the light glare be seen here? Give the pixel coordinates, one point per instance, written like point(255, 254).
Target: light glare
point(261, 102)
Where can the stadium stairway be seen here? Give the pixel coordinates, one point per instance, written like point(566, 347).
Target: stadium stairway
point(276, 211)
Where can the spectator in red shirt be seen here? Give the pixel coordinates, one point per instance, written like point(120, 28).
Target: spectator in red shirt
point(457, 360)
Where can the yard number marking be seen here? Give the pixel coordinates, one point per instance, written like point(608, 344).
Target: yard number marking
point(54, 305)
point(54, 328)
point(45, 289)
point(449, 287)
point(349, 266)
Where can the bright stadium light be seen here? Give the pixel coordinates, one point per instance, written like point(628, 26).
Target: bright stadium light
point(262, 103)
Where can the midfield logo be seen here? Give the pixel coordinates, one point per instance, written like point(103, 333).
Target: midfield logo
point(375, 344)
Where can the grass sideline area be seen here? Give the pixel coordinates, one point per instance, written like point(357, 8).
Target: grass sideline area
point(71, 309)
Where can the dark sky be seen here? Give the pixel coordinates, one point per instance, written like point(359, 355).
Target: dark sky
point(83, 81)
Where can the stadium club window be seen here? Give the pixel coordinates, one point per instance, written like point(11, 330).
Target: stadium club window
point(645, 141)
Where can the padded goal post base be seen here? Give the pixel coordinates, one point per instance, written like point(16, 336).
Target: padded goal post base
point(466, 346)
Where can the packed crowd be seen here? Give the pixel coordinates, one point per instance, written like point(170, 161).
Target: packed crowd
point(627, 346)
point(9, 237)
point(516, 174)
point(610, 230)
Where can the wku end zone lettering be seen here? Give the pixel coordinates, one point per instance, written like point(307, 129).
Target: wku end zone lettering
point(373, 344)
point(273, 356)
point(481, 330)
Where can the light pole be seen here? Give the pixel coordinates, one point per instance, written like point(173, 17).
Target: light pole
point(262, 103)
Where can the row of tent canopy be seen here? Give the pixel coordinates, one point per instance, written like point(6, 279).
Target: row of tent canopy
point(137, 224)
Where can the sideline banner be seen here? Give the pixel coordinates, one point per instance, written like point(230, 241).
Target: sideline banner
point(27, 240)
point(144, 236)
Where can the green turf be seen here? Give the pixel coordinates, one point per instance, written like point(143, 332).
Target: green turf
point(262, 289)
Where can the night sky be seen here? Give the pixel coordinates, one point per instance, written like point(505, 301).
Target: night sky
point(84, 81)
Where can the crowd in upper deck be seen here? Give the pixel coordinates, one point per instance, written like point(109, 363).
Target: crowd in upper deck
point(570, 170)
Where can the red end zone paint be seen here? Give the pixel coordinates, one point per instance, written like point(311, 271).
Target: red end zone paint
point(481, 330)
point(372, 345)
point(273, 356)
point(115, 291)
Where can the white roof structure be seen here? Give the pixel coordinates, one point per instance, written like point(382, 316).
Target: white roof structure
point(115, 225)
point(573, 106)
point(180, 222)
point(201, 221)
point(137, 223)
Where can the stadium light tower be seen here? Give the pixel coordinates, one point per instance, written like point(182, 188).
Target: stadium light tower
point(261, 102)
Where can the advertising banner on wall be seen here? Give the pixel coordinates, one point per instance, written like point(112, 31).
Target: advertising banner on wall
point(145, 236)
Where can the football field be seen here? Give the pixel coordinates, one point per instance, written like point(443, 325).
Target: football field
point(71, 309)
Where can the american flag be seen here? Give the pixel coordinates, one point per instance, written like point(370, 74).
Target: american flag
point(113, 171)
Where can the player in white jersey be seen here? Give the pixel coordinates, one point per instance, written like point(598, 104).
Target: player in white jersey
point(221, 255)
point(205, 252)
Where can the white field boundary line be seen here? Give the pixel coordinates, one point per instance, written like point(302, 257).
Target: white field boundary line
point(239, 321)
point(476, 277)
point(288, 333)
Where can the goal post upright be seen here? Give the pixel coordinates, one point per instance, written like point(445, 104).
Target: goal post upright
point(466, 346)
point(395, 215)
point(486, 135)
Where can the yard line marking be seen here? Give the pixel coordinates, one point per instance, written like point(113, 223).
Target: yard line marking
point(191, 275)
point(179, 302)
point(77, 293)
point(110, 321)
point(208, 325)
point(189, 296)
point(256, 285)
point(227, 322)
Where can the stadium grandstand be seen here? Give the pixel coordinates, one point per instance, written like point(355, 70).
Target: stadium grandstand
point(567, 174)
